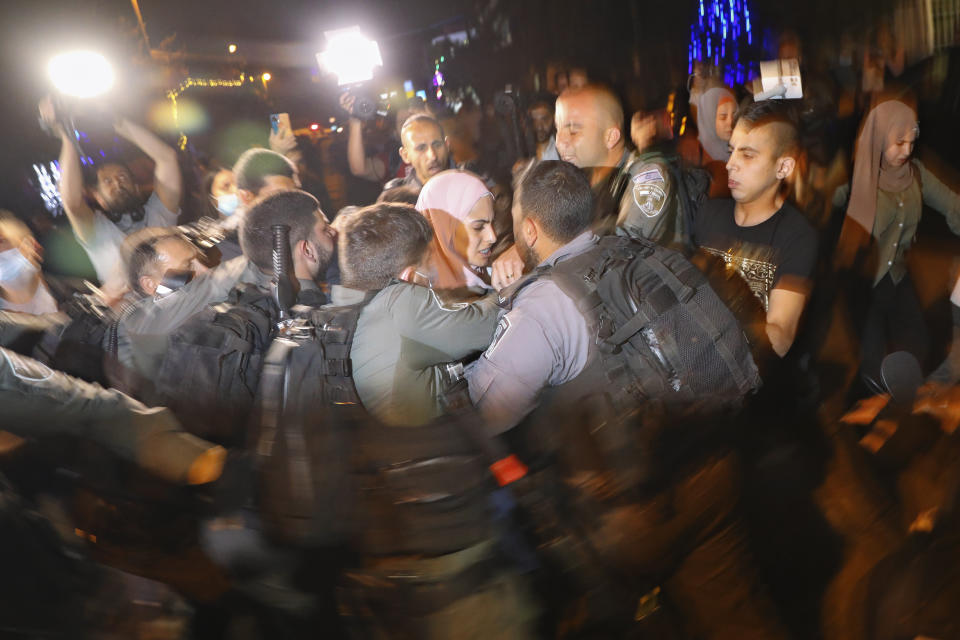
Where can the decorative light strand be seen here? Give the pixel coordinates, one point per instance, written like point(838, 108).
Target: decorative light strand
point(189, 83)
point(722, 35)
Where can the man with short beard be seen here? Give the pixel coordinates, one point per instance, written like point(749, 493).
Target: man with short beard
point(425, 148)
point(122, 207)
point(541, 120)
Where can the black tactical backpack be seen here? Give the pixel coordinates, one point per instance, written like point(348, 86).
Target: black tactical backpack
point(211, 369)
point(666, 354)
point(329, 472)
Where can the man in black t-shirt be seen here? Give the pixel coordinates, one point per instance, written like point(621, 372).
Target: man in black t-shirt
point(768, 241)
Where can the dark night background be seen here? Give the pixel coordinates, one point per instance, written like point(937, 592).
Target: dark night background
point(637, 44)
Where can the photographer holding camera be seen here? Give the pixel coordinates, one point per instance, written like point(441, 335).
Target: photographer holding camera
point(122, 208)
point(375, 167)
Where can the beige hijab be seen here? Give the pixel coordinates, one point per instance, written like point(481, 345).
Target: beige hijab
point(886, 123)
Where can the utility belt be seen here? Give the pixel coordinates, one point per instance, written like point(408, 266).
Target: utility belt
point(417, 588)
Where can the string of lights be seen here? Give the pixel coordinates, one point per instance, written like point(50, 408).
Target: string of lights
point(722, 35)
point(190, 83)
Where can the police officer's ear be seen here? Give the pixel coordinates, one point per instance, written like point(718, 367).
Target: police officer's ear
point(148, 285)
point(530, 231)
point(785, 166)
point(612, 137)
point(246, 196)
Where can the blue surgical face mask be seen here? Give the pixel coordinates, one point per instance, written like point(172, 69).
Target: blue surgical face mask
point(228, 203)
point(15, 270)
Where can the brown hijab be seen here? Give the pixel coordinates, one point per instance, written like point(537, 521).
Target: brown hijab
point(885, 124)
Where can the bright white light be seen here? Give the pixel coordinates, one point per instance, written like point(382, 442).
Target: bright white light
point(82, 74)
point(350, 56)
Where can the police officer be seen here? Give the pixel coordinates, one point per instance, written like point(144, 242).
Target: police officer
point(541, 345)
point(632, 193)
point(38, 401)
point(163, 307)
point(457, 586)
point(167, 285)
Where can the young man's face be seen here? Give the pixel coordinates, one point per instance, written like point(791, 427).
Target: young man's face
point(527, 253)
point(324, 241)
point(754, 162)
point(425, 149)
point(542, 120)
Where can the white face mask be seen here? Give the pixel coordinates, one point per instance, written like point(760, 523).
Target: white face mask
point(16, 272)
point(228, 203)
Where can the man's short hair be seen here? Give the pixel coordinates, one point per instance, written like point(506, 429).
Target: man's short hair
point(405, 194)
point(139, 252)
point(294, 208)
point(544, 100)
point(255, 165)
point(775, 112)
point(421, 118)
point(380, 241)
point(557, 196)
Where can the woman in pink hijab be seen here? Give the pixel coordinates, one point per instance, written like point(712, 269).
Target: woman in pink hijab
point(460, 208)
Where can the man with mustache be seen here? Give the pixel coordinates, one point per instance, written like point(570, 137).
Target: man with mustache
point(122, 208)
point(425, 148)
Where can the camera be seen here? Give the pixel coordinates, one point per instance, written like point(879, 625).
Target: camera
point(366, 107)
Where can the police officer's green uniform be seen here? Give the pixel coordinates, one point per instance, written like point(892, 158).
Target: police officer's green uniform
point(38, 401)
point(402, 335)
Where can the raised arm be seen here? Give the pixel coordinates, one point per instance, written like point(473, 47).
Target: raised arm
point(166, 176)
point(78, 212)
point(360, 165)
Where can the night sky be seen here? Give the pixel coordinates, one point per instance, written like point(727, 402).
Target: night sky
point(280, 36)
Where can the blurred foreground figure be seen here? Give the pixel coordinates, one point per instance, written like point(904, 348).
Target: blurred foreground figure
point(901, 575)
point(38, 401)
point(886, 198)
point(22, 287)
point(630, 411)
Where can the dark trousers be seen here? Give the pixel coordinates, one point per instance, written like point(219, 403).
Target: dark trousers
point(893, 322)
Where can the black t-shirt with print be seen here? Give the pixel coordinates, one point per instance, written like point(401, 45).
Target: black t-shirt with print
point(780, 252)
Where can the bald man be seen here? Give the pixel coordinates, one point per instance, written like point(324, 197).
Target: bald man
point(633, 194)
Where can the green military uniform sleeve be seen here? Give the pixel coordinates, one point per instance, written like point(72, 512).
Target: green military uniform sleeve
point(647, 209)
point(38, 401)
point(940, 197)
point(454, 330)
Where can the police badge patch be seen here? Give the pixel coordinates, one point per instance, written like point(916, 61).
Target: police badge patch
point(502, 327)
point(648, 192)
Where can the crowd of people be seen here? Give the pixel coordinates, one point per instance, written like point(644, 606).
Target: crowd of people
point(569, 390)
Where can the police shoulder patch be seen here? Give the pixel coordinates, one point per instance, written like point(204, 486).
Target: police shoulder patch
point(498, 334)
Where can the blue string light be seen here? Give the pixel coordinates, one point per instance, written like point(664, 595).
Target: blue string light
point(723, 38)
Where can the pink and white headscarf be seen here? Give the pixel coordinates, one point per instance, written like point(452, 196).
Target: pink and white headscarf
point(446, 201)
